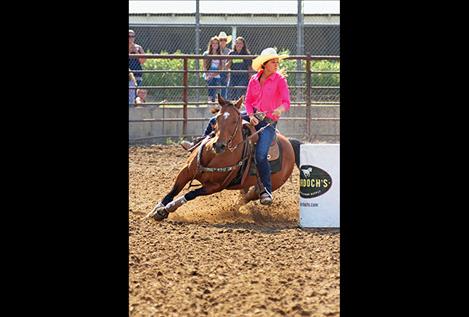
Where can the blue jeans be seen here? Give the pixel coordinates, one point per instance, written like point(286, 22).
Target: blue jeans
point(139, 81)
point(212, 92)
point(224, 83)
point(210, 125)
point(262, 149)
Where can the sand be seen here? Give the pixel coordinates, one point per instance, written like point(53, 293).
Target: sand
point(214, 258)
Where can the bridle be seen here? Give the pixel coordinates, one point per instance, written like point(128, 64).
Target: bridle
point(260, 116)
point(230, 140)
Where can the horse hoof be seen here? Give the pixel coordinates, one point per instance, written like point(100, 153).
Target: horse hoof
point(152, 213)
point(160, 213)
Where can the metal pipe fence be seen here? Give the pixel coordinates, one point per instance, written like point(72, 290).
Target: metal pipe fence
point(163, 85)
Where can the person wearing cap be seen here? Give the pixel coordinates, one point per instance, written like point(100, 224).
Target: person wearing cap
point(224, 40)
point(135, 64)
point(268, 94)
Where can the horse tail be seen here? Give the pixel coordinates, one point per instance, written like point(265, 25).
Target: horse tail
point(296, 148)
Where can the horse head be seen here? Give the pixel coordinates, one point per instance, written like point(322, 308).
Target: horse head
point(228, 124)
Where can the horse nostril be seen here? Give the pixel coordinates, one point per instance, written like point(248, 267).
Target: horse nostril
point(222, 146)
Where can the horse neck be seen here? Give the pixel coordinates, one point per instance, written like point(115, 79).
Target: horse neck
point(229, 156)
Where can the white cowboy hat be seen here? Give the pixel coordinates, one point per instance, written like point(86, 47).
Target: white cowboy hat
point(266, 55)
point(223, 35)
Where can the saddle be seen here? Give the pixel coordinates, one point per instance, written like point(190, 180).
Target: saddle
point(249, 167)
point(274, 157)
point(249, 130)
point(274, 150)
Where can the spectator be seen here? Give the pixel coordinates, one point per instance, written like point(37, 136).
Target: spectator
point(212, 78)
point(141, 95)
point(239, 79)
point(135, 64)
point(132, 87)
point(224, 40)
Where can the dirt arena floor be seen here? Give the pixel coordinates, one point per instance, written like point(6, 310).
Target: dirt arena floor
point(211, 258)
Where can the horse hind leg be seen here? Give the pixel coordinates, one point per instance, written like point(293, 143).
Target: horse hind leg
point(251, 194)
point(241, 198)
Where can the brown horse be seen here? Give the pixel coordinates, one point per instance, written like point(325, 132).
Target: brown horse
point(217, 162)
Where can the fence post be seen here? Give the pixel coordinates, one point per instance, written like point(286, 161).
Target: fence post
point(234, 32)
point(197, 48)
point(299, 48)
point(308, 96)
point(184, 98)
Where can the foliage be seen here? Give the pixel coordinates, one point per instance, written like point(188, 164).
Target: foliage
point(176, 79)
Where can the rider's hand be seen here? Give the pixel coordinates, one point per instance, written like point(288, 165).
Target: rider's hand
point(253, 120)
point(278, 112)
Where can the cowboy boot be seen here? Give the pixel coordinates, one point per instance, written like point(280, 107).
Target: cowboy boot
point(190, 145)
point(186, 145)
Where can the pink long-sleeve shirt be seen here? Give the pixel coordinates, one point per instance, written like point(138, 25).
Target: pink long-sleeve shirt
point(268, 97)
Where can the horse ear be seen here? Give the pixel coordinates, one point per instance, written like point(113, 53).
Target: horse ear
point(239, 102)
point(221, 101)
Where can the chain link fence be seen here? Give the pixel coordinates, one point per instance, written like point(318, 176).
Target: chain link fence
point(160, 32)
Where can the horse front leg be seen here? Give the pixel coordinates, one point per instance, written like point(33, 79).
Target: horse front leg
point(167, 204)
point(205, 190)
point(162, 211)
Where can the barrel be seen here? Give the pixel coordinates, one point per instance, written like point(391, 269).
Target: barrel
point(319, 186)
